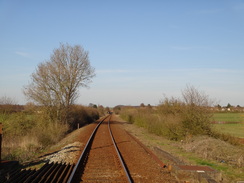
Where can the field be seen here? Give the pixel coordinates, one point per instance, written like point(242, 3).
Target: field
point(228, 117)
point(232, 128)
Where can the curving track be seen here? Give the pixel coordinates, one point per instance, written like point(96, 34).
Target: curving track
point(101, 160)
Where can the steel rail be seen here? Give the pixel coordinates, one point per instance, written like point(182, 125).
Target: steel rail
point(129, 179)
point(74, 173)
point(82, 156)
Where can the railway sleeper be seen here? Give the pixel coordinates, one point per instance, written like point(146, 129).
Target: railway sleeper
point(49, 172)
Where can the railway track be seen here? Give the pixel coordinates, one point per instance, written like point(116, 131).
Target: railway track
point(100, 160)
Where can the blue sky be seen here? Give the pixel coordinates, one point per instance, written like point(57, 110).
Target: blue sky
point(141, 50)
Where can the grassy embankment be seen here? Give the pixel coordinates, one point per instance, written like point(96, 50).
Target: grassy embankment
point(29, 132)
point(210, 147)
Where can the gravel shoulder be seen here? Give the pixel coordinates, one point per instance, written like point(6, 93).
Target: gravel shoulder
point(66, 151)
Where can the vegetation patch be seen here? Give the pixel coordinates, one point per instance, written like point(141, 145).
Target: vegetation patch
point(31, 131)
point(187, 123)
point(234, 129)
point(215, 149)
point(174, 118)
point(228, 117)
point(187, 151)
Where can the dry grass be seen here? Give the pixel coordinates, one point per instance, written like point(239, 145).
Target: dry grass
point(221, 151)
point(27, 133)
point(215, 149)
point(24, 147)
point(172, 121)
point(197, 150)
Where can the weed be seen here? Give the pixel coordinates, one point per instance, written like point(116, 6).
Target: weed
point(29, 132)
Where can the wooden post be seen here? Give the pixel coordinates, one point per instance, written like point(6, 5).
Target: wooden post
point(1, 131)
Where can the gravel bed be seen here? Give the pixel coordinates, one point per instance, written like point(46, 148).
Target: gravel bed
point(68, 154)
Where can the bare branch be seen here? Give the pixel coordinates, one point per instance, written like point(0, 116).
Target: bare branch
point(56, 82)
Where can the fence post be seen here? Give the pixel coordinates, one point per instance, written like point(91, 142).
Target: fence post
point(1, 131)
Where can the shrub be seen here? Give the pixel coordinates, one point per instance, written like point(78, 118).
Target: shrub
point(128, 114)
point(36, 128)
point(26, 134)
point(174, 118)
point(18, 124)
point(82, 115)
point(225, 137)
point(196, 120)
point(101, 110)
point(196, 113)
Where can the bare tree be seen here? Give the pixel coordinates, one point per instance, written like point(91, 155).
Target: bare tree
point(55, 82)
point(4, 100)
point(192, 96)
point(7, 104)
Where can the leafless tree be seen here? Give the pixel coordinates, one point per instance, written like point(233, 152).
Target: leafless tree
point(4, 100)
point(55, 82)
point(192, 95)
point(7, 104)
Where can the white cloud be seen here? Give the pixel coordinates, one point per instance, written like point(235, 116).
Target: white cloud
point(23, 54)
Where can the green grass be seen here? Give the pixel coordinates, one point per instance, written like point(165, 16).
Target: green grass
point(228, 117)
point(232, 173)
point(236, 130)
